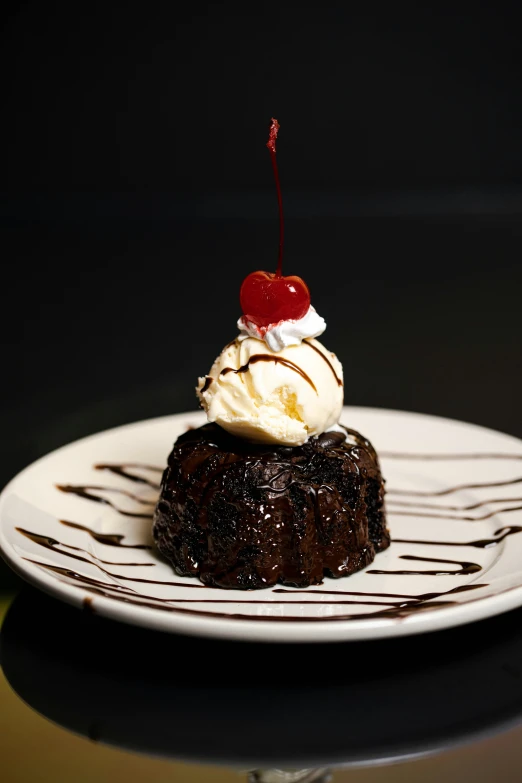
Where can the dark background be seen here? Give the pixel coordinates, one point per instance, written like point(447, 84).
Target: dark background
point(137, 193)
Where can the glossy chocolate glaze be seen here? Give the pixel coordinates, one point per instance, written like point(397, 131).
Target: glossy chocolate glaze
point(266, 357)
point(244, 516)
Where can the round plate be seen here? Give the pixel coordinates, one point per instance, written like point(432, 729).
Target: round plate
point(77, 524)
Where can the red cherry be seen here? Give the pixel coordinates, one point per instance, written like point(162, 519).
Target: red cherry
point(267, 299)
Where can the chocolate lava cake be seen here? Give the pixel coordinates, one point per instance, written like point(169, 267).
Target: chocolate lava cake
point(246, 516)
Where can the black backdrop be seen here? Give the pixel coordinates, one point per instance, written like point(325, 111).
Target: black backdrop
point(175, 97)
point(137, 192)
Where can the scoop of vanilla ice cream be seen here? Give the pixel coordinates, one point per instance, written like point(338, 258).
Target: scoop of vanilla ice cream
point(270, 397)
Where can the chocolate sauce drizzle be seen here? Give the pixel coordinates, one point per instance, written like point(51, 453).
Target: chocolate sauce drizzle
point(51, 543)
point(440, 506)
point(326, 359)
point(401, 513)
point(405, 596)
point(121, 470)
point(265, 357)
point(109, 539)
point(82, 578)
point(483, 543)
point(108, 573)
point(473, 455)
point(450, 490)
point(86, 491)
point(465, 567)
point(392, 610)
point(208, 381)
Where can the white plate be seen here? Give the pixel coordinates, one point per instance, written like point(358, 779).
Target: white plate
point(466, 490)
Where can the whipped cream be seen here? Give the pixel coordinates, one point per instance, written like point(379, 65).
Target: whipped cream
point(269, 396)
point(285, 333)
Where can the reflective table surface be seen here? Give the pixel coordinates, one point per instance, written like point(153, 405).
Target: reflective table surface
point(84, 698)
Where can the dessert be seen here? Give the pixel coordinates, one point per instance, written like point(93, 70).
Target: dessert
point(273, 489)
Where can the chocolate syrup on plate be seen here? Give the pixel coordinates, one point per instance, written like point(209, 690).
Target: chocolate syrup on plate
point(483, 543)
point(490, 514)
point(51, 543)
point(122, 470)
point(89, 580)
point(458, 488)
point(109, 539)
point(442, 507)
point(473, 455)
point(465, 567)
point(86, 491)
point(393, 610)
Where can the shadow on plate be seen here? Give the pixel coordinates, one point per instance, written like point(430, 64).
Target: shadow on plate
point(257, 705)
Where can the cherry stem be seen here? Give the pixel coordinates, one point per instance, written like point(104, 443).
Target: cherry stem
point(271, 144)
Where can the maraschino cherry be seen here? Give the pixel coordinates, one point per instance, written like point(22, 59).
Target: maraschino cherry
point(268, 297)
